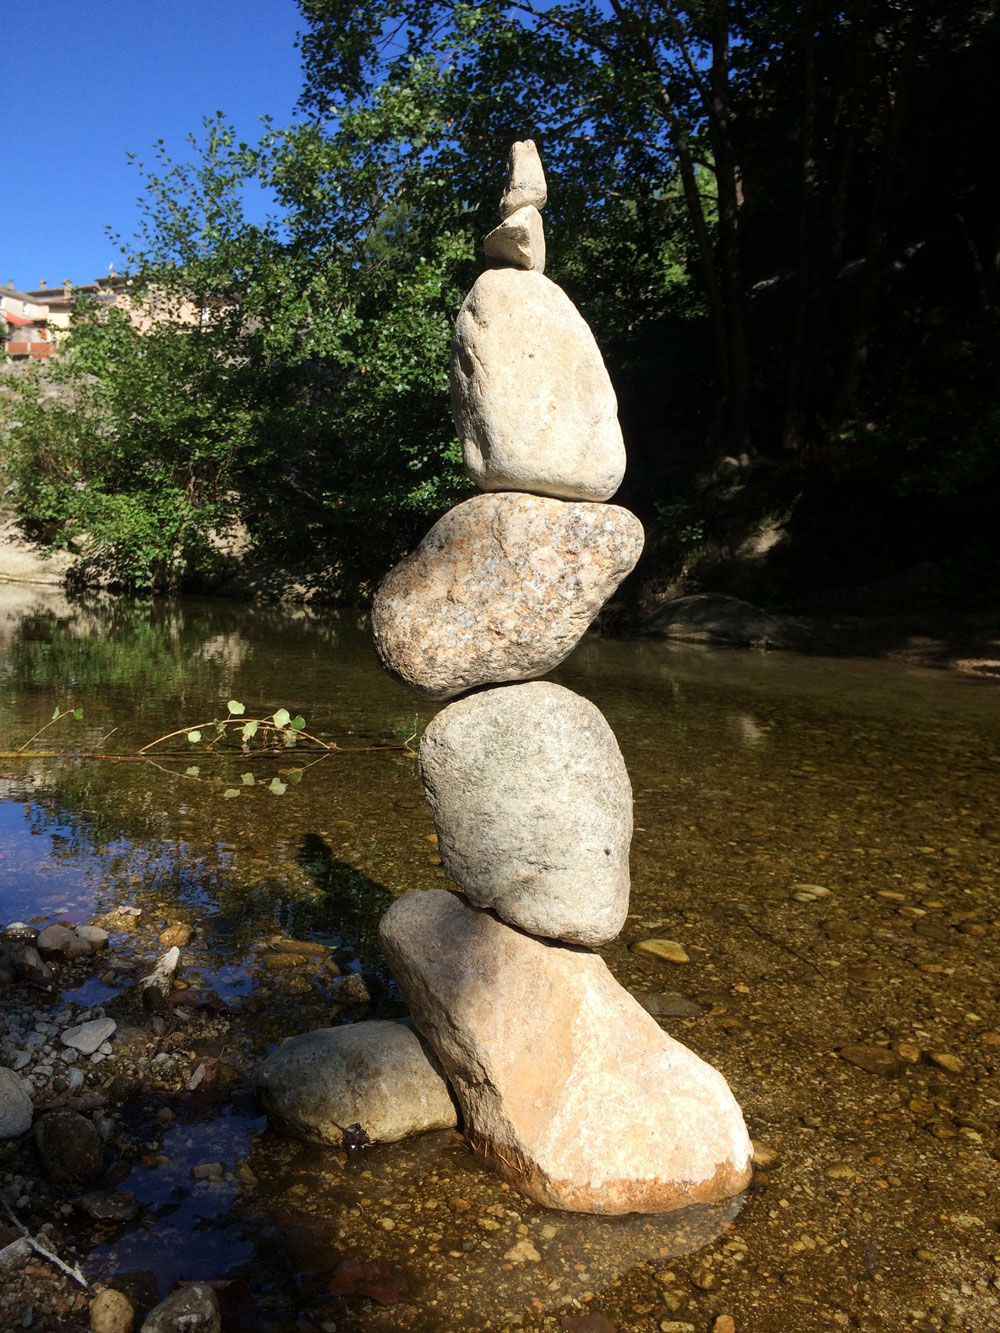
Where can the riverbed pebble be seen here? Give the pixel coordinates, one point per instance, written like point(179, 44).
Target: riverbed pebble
point(111, 1312)
point(378, 1075)
point(190, 1309)
point(670, 951)
point(873, 1059)
point(15, 1105)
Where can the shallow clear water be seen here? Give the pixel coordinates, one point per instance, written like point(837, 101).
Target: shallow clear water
point(752, 773)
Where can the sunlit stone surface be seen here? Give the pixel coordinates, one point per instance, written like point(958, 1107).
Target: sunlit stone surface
point(565, 1082)
point(501, 588)
point(533, 809)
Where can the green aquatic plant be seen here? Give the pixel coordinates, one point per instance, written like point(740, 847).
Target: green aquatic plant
point(73, 712)
point(274, 734)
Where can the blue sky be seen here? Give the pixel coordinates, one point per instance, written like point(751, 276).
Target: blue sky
point(89, 81)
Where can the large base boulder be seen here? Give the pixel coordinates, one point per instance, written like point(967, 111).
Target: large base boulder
point(533, 809)
point(502, 588)
point(532, 399)
point(377, 1075)
point(565, 1082)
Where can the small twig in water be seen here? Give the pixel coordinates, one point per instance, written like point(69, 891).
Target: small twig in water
point(59, 713)
point(44, 1249)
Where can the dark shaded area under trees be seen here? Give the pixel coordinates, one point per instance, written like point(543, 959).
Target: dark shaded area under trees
point(781, 220)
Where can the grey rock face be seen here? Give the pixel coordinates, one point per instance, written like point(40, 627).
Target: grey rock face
point(532, 399)
point(502, 588)
point(379, 1075)
point(533, 809)
point(15, 1105)
point(565, 1083)
point(519, 240)
point(87, 1037)
point(69, 1146)
point(55, 941)
point(190, 1309)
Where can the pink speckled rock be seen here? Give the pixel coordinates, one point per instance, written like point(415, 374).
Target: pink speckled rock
point(502, 588)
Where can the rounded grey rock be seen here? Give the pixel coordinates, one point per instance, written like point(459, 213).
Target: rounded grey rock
point(89, 1037)
point(378, 1075)
point(533, 809)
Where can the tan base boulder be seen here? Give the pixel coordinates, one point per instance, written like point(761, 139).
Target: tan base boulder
point(565, 1082)
point(503, 587)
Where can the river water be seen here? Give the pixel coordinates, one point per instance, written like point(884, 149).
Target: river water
point(876, 1202)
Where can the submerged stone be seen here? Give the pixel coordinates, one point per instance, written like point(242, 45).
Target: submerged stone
point(377, 1075)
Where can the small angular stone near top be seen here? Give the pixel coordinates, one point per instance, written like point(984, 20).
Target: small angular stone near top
point(525, 179)
point(519, 240)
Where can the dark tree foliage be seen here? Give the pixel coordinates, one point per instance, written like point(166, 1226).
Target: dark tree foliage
point(782, 221)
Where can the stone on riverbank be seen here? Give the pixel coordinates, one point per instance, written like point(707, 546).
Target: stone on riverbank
point(502, 588)
point(15, 1105)
point(378, 1075)
point(87, 1037)
point(190, 1309)
point(69, 1146)
point(533, 809)
point(532, 398)
point(565, 1083)
point(714, 618)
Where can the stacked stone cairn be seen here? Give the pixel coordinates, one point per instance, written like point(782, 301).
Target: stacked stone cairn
point(564, 1081)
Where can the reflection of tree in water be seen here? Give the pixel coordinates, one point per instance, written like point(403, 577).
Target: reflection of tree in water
point(348, 909)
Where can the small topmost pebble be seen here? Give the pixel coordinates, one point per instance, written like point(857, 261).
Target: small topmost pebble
point(525, 179)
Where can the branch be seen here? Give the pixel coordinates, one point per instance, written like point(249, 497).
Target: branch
point(44, 1250)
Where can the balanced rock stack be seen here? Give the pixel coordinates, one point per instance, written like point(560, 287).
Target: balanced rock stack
point(564, 1081)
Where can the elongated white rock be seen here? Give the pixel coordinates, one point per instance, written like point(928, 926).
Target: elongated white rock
point(532, 399)
point(565, 1082)
point(501, 588)
point(533, 809)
